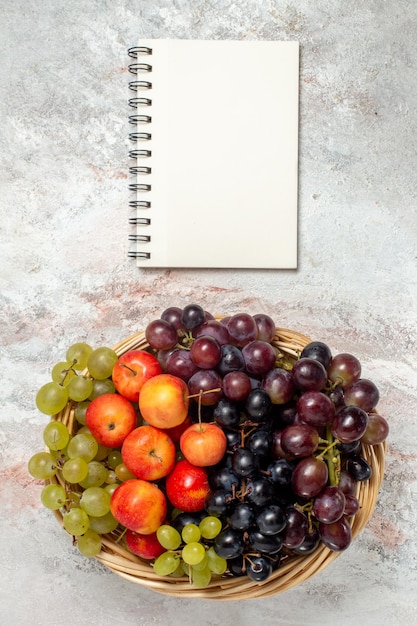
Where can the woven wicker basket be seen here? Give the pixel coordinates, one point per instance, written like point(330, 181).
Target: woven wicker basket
point(293, 571)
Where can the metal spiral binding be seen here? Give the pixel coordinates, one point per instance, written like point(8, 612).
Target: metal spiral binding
point(138, 69)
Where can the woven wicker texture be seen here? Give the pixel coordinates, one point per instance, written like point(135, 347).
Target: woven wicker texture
point(293, 570)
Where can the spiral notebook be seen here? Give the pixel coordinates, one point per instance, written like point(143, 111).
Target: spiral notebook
point(215, 154)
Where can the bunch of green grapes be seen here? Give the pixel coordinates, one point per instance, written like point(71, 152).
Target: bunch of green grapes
point(80, 476)
point(84, 371)
point(190, 552)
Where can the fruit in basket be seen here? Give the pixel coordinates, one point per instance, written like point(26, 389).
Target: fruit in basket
point(131, 372)
point(139, 505)
point(164, 400)
point(274, 444)
point(187, 486)
point(110, 418)
point(148, 453)
point(203, 444)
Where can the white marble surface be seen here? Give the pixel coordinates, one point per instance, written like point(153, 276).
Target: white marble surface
point(65, 275)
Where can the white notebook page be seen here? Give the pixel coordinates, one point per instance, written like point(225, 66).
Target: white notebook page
point(224, 154)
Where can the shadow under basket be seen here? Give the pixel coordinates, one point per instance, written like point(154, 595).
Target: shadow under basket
point(293, 570)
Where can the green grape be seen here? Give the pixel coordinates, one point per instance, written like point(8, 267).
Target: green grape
point(76, 521)
point(179, 572)
point(191, 532)
point(200, 577)
point(42, 466)
point(95, 501)
point(62, 373)
point(114, 458)
point(53, 496)
point(168, 537)
point(96, 475)
point(203, 563)
point(166, 563)
point(123, 473)
point(82, 445)
point(51, 398)
point(111, 488)
point(210, 527)
point(79, 388)
point(101, 362)
point(104, 524)
point(56, 435)
point(111, 478)
point(216, 563)
point(193, 553)
point(74, 471)
point(102, 453)
point(79, 412)
point(78, 354)
point(100, 387)
point(89, 544)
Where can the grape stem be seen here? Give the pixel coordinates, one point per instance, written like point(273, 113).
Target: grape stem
point(331, 456)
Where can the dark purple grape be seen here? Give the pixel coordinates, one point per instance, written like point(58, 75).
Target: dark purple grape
point(352, 505)
point(236, 386)
point(234, 440)
point(205, 352)
point(163, 355)
point(359, 468)
point(280, 472)
point(226, 414)
point(237, 566)
point(296, 527)
point(344, 369)
point(179, 363)
point(187, 518)
point(363, 393)
point(210, 383)
point(223, 478)
point(310, 543)
point(213, 328)
point(329, 505)
point(260, 491)
point(259, 357)
point(161, 335)
point(284, 414)
point(319, 351)
point(315, 408)
point(259, 442)
point(271, 520)
point(259, 568)
point(240, 516)
point(309, 477)
point(277, 451)
point(336, 536)
point(266, 327)
point(173, 315)
point(192, 315)
point(229, 543)
point(231, 359)
point(349, 424)
point(244, 462)
point(309, 375)
point(269, 544)
point(217, 502)
point(347, 483)
point(337, 396)
point(279, 385)
point(376, 431)
point(242, 329)
point(258, 404)
point(349, 448)
point(300, 440)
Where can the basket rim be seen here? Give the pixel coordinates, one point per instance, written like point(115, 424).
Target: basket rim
point(293, 571)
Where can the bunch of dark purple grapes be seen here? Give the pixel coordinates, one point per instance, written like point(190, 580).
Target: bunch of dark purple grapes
point(295, 429)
